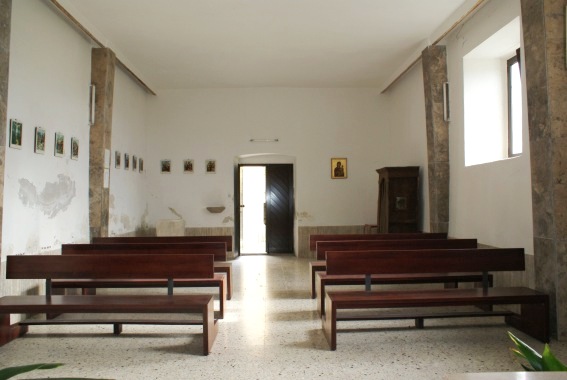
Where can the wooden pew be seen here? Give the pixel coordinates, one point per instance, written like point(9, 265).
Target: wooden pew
point(533, 318)
point(89, 286)
point(144, 267)
point(218, 249)
point(350, 245)
point(166, 239)
point(314, 238)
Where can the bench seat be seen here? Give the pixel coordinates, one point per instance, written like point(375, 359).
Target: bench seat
point(89, 286)
point(533, 318)
point(450, 280)
point(130, 304)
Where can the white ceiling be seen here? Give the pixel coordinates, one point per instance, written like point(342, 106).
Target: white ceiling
point(251, 43)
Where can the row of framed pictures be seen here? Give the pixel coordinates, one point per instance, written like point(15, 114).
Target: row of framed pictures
point(137, 162)
point(210, 166)
point(16, 137)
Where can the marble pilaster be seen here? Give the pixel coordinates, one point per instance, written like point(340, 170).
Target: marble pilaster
point(5, 28)
point(103, 63)
point(543, 23)
point(434, 61)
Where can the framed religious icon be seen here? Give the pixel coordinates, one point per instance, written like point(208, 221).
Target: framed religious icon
point(211, 166)
point(134, 163)
point(59, 144)
point(187, 166)
point(39, 143)
point(15, 134)
point(74, 148)
point(126, 161)
point(166, 166)
point(338, 168)
point(117, 159)
point(141, 164)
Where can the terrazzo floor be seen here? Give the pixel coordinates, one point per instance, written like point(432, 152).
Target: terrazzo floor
point(271, 330)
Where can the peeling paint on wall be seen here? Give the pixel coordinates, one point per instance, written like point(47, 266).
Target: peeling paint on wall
point(125, 220)
point(175, 212)
point(228, 219)
point(55, 196)
point(304, 215)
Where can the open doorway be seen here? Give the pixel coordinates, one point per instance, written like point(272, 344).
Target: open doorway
point(252, 209)
point(265, 220)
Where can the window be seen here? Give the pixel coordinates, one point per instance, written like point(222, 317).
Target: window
point(514, 106)
point(492, 98)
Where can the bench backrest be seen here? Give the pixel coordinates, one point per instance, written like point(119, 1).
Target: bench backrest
point(164, 266)
point(425, 261)
point(313, 239)
point(166, 239)
point(359, 245)
point(217, 249)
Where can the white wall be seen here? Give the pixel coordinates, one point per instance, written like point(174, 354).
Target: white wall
point(492, 201)
point(128, 193)
point(312, 125)
point(46, 197)
point(407, 134)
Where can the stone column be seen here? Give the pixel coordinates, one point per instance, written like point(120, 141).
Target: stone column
point(5, 28)
point(434, 60)
point(543, 24)
point(103, 63)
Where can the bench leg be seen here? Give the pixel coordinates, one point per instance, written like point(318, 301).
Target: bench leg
point(222, 295)
point(330, 324)
point(117, 328)
point(228, 284)
point(320, 296)
point(533, 320)
point(419, 323)
point(210, 327)
point(10, 332)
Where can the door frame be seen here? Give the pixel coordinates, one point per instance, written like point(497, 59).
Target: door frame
point(262, 160)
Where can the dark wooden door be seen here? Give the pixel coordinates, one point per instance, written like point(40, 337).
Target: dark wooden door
point(279, 208)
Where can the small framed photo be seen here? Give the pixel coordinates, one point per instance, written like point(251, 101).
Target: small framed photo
point(338, 168)
point(16, 134)
point(39, 142)
point(211, 166)
point(187, 166)
point(59, 144)
point(134, 163)
point(141, 164)
point(166, 166)
point(74, 148)
point(117, 159)
point(126, 161)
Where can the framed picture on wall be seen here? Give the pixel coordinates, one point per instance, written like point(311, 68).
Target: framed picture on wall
point(74, 148)
point(134, 163)
point(166, 166)
point(39, 141)
point(338, 168)
point(211, 166)
point(126, 161)
point(59, 148)
point(16, 134)
point(141, 164)
point(187, 166)
point(117, 159)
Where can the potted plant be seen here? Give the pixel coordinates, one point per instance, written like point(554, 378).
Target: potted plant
point(545, 361)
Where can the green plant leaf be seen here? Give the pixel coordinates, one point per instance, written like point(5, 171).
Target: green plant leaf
point(550, 362)
point(9, 372)
point(526, 352)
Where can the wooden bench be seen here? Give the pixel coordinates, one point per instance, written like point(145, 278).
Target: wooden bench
point(533, 318)
point(148, 267)
point(218, 249)
point(314, 238)
point(166, 239)
point(89, 286)
point(350, 245)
